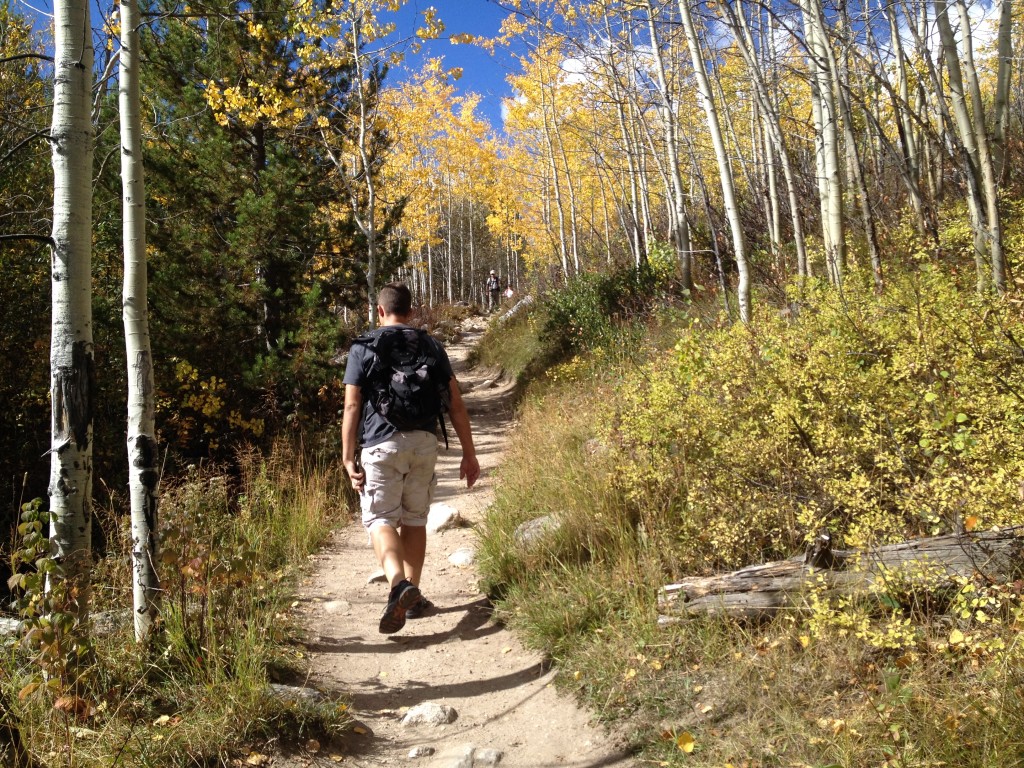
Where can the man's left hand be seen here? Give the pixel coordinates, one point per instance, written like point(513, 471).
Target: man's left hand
point(469, 470)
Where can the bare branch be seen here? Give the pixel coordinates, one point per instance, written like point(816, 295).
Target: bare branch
point(39, 56)
point(45, 239)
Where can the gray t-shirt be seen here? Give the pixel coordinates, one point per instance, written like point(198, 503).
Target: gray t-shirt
point(374, 428)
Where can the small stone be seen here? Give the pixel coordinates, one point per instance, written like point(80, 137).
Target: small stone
point(442, 517)
point(466, 386)
point(462, 558)
point(291, 693)
point(489, 383)
point(337, 606)
point(430, 713)
point(486, 758)
point(667, 621)
point(377, 577)
point(420, 751)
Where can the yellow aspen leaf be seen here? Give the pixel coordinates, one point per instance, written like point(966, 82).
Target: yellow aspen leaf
point(360, 730)
point(956, 637)
point(970, 522)
point(685, 742)
point(805, 640)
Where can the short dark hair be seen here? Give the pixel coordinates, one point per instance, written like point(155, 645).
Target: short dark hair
point(396, 299)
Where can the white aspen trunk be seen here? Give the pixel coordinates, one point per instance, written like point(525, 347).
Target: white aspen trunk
point(772, 193)
point(632, 226)
point(854, 162)
point(462, 249)
point(826, 125)
point(737, 20)
point(430, 275)
point(449, 246)
point(676, 192)
point(989, 179)
point(472, 252)
point(573, 223)
point(72, 372)
point(907, 128)
point(1001, 106)
point(971, 130)
point(722, 157)
point(143, 453)
point(556, 185)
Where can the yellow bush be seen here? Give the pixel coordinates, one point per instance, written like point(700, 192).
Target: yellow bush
point(876, 418)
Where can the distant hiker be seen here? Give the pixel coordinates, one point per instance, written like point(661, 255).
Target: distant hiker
point(493, 287)
point(398, 386)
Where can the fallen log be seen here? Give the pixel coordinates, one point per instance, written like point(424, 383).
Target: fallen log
point(758, 591)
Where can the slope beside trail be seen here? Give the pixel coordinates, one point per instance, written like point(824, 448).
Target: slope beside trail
point(458, 657)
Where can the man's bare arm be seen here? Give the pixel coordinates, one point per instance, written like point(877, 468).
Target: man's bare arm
point(470, 467)
point(350, 434)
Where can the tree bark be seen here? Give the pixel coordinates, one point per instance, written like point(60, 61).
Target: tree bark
point(724, 169)
point(143, 454)
point(72, 373)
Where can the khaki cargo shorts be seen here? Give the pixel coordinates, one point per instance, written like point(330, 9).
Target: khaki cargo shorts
point(400, 480)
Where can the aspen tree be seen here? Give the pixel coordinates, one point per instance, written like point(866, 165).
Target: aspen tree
point(72, 372)
point(969, 115)
point(143, 464)
point(724, 168)
point(826, 129)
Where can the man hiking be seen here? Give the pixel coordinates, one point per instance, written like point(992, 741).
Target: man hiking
point(398, 385)
point(493, 286)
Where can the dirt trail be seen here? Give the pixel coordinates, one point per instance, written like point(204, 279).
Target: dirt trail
point(458, 657)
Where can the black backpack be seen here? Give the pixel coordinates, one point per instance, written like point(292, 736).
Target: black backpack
point(407, 387)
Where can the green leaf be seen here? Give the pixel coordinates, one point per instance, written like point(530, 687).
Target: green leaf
point(930, 397)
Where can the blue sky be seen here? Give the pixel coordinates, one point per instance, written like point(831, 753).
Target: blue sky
point(482, 73)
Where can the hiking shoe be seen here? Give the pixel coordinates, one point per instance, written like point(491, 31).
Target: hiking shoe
point(403, 595)
point(420, 608)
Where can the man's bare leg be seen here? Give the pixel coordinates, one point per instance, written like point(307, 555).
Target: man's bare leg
point(414, 548)
point(387, 544)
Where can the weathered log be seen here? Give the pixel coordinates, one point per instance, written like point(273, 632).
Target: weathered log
point(758, 591)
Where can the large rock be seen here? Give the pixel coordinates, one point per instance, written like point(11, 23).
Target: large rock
point(430, 713)
point(529, 533)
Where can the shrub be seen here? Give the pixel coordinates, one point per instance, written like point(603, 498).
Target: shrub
point(877, 419)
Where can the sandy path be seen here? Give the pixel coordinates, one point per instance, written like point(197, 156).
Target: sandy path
point(502, 693)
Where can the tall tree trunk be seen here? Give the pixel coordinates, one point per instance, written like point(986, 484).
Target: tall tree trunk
point(1001, 106)
point(676, 192)
point(827, 133)
point(745, 43)
point(72, 372)
point(143, 462)
point(732, 210)
point(855, 164)
point(970, 122)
